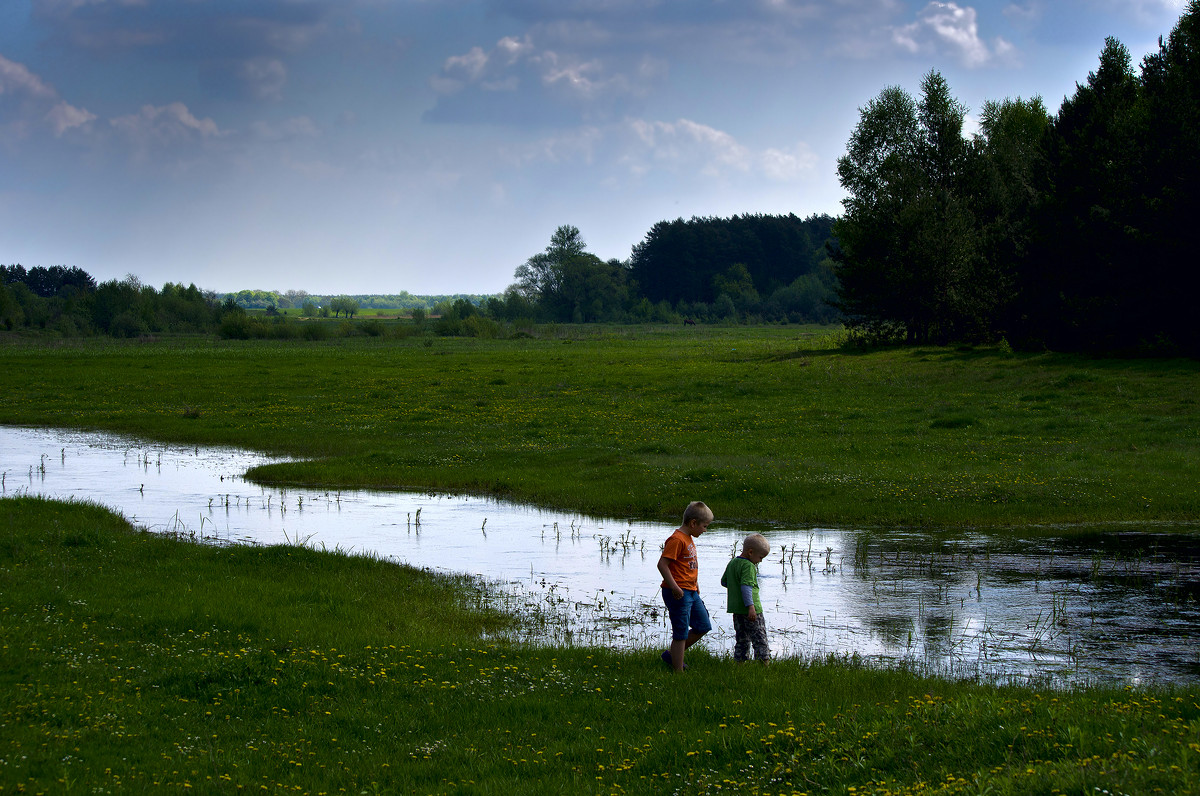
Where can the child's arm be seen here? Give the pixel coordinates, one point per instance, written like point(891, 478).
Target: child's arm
point(664, 567)
point(748, 601)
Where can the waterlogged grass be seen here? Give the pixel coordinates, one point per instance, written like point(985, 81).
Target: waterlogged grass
point(134, 662)
point(767, 423)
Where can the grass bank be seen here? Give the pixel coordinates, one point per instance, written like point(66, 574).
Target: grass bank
point(764, 423)
point(135, 662)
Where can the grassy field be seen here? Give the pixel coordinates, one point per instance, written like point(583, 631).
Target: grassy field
point(135, 662)
point(766, 423)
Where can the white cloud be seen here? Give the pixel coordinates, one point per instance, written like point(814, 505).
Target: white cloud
point(34, 102)
point(639, 147)
point(63, 117)
point(783, 165)
point(16, 79)
point(685, 144)
point(695, 144)
point(514, 63)
point(582, 78)
point(950, 27)
point(164, 126)
point(460, 70)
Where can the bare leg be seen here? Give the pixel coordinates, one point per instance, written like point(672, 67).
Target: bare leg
point(678, 646)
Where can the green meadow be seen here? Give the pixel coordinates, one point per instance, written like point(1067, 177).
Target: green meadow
point(765, 423)
point(136, 662)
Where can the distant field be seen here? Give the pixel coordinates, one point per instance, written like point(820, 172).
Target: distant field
point(764, 423)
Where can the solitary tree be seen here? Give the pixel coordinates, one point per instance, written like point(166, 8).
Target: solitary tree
point(567, 283)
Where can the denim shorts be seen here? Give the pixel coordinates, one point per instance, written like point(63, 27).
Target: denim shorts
point(687, 615)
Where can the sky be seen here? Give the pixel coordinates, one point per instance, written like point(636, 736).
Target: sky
point(432, 146)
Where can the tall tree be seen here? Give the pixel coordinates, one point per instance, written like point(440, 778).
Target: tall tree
point(1010, 166)
point(1170, 139)
point(1077, 281)
point(908, 256)
point(542, 274)
point(569, 284)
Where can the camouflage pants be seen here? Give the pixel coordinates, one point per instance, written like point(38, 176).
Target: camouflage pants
point(747, 633)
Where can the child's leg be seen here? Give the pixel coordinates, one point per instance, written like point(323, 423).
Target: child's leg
point(698, 625)
point(758, 637)
point(679, 612)
point(741, 638)
point(678, 645)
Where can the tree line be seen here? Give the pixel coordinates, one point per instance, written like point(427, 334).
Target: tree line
point(69, 302)
point(303, 300)
point(1069, 231)
point(750, 269)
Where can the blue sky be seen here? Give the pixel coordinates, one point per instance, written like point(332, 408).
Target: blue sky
point(374, 146)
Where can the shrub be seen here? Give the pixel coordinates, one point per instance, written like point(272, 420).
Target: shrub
point(314, 330)
point(127, 324)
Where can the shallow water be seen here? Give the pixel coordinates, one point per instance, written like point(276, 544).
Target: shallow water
point(1113, 606)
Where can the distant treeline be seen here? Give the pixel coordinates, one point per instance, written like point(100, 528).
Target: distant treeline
point(69, 302)
point(297, 299)
point(749, 269)
point(1070, 231)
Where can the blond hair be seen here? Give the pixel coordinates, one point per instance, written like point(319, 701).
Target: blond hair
point(697, 511)
point(758, 543)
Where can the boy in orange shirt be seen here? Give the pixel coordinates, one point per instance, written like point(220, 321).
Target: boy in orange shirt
point(681, 593)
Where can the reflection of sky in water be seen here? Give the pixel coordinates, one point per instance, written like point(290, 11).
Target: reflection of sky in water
point(1060, 609)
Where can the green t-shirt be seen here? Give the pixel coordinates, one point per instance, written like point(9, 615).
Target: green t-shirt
point(738, 573)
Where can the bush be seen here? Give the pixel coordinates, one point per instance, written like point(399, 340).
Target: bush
point(127, 324)
point(314, 330)
point(478, 326)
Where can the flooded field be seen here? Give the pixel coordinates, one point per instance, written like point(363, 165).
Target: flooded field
point(1119, 605)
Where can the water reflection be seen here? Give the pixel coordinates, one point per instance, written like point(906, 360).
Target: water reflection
point(1107, 606)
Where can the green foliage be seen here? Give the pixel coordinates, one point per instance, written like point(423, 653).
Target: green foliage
point(1077, 282)
point(137, 661)
point(567, 284)
point(343, 305)
point(910, 251)
point(690, 261)
point(1068, 231)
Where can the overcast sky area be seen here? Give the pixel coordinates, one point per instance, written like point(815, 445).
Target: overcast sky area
point(432, 146)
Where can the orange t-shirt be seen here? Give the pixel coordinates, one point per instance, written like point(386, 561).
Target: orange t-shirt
point(680, 551)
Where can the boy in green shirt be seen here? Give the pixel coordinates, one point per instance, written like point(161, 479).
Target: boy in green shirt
point(741, 580)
